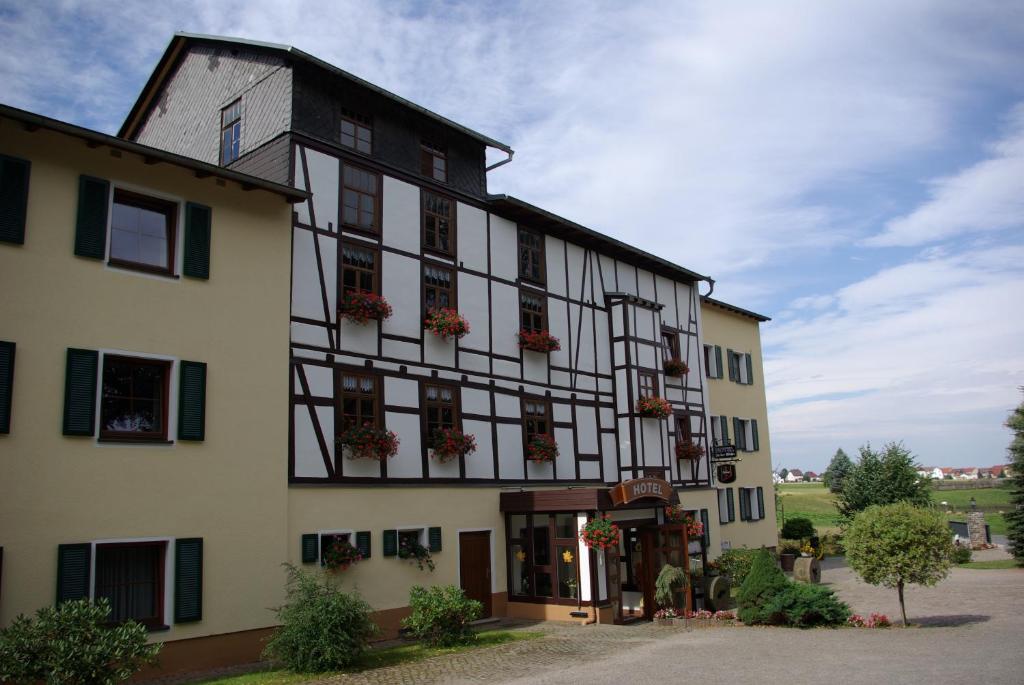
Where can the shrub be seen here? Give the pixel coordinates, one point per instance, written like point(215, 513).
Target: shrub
point(804, 606)
point(441, 615)
point(789, 546)
point(762, 583)
point(961, 554)
point(669, 581)
point(798, 528)
point(832, 544)
point(736, 563)
point(322, 628)
point(73, 643)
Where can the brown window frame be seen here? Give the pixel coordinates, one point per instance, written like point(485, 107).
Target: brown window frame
point(156, 622)
point(135, 436)
point(430, 153)
point(349, 244)
point(537, 255)
point(230, 125)
point(641, 386)
point(169, 208)
point(357, 228)
point(453, 295)
point(525, 313)
point(528, 544)
point(548, 417)
point(452, 222)
point(670, 348)
point(425, 404)
point(684, 431)
point(357, 122)
point(378, 403)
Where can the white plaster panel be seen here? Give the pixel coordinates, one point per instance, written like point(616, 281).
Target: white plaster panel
point(578, 288)
point(309, 462)
point(609, 456)
point(506, 368)
point(471, 225)
point(565, 463)
point(402, 392)
point(448, 469)
point(401, 350)
point(473, 362)
point(586, 383)
point(323, 177)
point(504, 260)
point(358, 337)
point(329, 262)
point(506, 327)
point(627, 278)
point(309, 354)
point(583, 554)
point(644, 323)
point(546, 470)
point(506, 405)
point(535, 366)
point(305, 334)
point(590, 470)
point(560, 378)
point(645, 284)
point(616, 314)
point(480, 464)
point(646, 355)
point(301, 208)
point(561, 412)
point(685, 295)
point(437, 350)
point(364, 468)
point(476, 402)
point(398, 272)
point(400, 217)
point(510, 452)
point(307, 300)
point(408, 463)
point(604, 385)
point(473, 306)
point(607, 417)
point(652, 455)
point(667, 297)
point(606, 275)
point(604, 360)
point(621, 397)
point(320, 379)
point(619, 350)
point(586, 430)
point(625, 444)
point(558, 326)
point(554, 258)
point(586, 340)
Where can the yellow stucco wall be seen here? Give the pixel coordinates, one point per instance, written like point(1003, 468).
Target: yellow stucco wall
point(739, 333)
point(231, 489)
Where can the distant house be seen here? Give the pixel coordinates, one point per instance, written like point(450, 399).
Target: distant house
point(933, 472)
point(812, 477)
point(967, 474)
point(795, 476)
point(776, 478)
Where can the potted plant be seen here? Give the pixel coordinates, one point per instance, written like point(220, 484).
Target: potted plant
point(417, 554)
point(340, 555)
point(538, 341)
point(670, 582)
point(676, 367)
point(369, 442)
point(689, 450)
point(541, 449)
point(653, 408)
point(359, 307)
point(600, 533)
point(446, 323)
point(451, 443)
point(807, 550)
point(788, 549)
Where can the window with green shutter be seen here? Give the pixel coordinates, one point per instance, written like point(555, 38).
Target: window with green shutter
point(434, 539)
point(91, 224)
point(724, 422)
point(80, 392)
point(739, 433)
point(760, 503)
point(753, 430)
point(750, 369)
point(196, 257)
point(6, 384)
point(310, 547)
point(188, 580)
point(390, 541)
point(718, 361)
point(705, 521)
point(363, 543)
point(733, 368)
point(14, 175)
point(192, 401)
point(74, 563)
point(731, 504)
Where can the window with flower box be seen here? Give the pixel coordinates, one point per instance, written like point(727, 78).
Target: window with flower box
point(440, 408)
point(358, 400)
point(532, 311)
point(438, 287)
point(669, 344)
point(438, 216)
point(359, 269)
point(543, 558)
point(648, 384)
point(536, 417)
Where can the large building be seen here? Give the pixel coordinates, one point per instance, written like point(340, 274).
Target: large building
point(393, 203)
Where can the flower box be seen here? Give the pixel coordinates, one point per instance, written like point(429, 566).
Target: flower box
point(340, 555)
point(653, 408)
point(446, 323)
point(542, 449)
point(360, 307)
point(538, 341)
point(416, 553)
point(368, 442)
point(600, 533)
point(676, 367)
point(450, 443)
point(689, 450)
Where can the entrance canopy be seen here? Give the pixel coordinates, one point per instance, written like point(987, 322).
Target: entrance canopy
point(638, 493)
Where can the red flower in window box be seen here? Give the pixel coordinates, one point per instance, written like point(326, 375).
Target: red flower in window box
point(538, 341)
point(451, 443)
point(600, 533)
point(689, 450)
point(676, 514)
point(340, 555)
point(368, 442)
point(676, 367)
point(360, 307)
point(653, 408)
point(542, 449)
point(446, 323)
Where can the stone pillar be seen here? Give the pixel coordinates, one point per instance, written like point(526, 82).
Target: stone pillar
point(976, 529)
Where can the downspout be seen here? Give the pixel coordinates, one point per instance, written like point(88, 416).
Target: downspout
point(711, 283)
point(508, 159)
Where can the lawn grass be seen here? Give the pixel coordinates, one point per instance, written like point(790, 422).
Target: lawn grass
point(377, 658)
point(993, 564)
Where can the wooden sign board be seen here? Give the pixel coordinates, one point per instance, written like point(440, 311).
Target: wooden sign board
point(723, 452)
point(640, 488)
point(726, 473)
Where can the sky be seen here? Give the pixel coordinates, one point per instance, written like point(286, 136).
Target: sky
point(853, 170)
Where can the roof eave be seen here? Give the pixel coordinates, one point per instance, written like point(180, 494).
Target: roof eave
point(734, 309)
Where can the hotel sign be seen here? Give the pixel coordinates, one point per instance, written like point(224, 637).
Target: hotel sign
point(723, 452)
point(640, 488)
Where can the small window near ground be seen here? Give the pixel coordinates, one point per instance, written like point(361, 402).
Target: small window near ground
point(142, 232)
point(230, 132)
point(133, 403)
point(131, 577)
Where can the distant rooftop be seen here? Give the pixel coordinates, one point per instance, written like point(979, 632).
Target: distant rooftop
point(736, 310)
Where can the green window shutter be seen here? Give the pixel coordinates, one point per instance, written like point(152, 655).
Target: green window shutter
point(91, 226)
point(741, 437)
point(73, 566)
point(707, 527)
point(434, 539)
point(188, 580)
point(731, 503)
point(6, 384)
point(191, 400)
point(760, 503)
point(744, 504)
point(724, 420)
point(750, 369)
point(363, 543)
point(723, 509)
point(310, 544)
point(390, 539)
point(14, 175)
point(196, 258)
point(718, 361)
point(730, 356)
point(753, 429)
point(80, 392)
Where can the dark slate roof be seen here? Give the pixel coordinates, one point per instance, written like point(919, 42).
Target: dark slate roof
point(734, 309)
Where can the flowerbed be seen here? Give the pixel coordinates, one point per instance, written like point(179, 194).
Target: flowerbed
point(600, 533)
point(676, 367)
point(538, 341)
point(542, 449)
point(451, 443)
point(368, 442)
point(446, 323)
point(360, 307)
point(653, 408)
point(872, 621)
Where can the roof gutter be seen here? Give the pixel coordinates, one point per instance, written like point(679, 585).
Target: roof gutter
point(508, 159)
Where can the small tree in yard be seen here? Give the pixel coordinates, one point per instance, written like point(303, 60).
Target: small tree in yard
point(442, 615)
point(882, 478)
point(895, 545)
point(836, 472)
point(783, 473)
point(762, 584)
point(1015, 517)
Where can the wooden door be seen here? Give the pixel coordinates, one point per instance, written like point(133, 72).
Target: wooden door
point(672, 549)
point(475, 567)
point(614, 579)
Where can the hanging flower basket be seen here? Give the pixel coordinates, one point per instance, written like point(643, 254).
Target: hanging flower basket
point(368, 442)
point(542, 449)
point(600, 533)
point(689, 450)
point(340, 555)
point(538, 341)
point(451, 443)
point(359, 307)
point(653, 408)
point(676, 367)
point(676, 514)
point(446, 323)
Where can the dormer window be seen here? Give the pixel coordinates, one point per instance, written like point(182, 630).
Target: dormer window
point(230, 132)
point(356, 133)
point(434, 162)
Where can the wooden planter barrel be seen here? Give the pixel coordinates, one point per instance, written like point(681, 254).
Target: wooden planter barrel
point(807, 569)
point(786, 562)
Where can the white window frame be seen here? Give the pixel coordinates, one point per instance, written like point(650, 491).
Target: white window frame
point(711, 362)
point(339, 531)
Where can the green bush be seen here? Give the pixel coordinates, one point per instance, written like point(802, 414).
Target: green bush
point(441, 615)
point(670, 580)
point(804, 606)
point(322, 628)
point(798, 528)
point(961, 554)
point(73, 643)
point(764, 581)
point(789, 546)
point(832, 544)
point(735, 563)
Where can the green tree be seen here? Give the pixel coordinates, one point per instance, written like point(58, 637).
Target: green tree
point(1015, 518)
point(895, 545)
point(760, 586)
point(783, 473)
point(882, 478)
point(836, 472)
